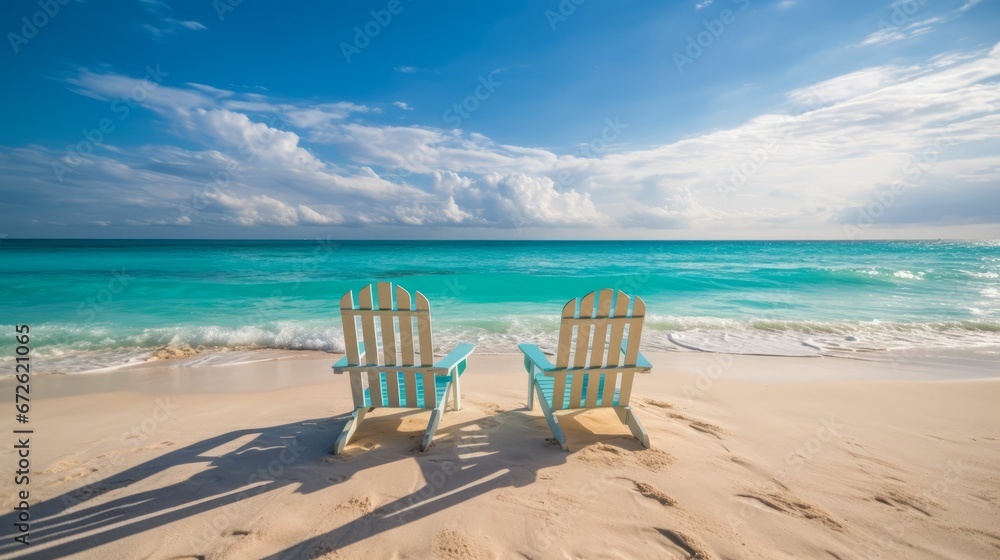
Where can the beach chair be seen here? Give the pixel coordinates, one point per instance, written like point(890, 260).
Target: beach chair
point(387, 334)
point(597, 357)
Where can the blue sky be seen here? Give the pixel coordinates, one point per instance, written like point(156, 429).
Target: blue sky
point(533, 119)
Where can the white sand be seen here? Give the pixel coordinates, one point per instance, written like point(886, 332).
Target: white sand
point(752, 458)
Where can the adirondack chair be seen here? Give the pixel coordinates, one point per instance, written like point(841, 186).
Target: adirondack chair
point(387, 334)
point(597, 357)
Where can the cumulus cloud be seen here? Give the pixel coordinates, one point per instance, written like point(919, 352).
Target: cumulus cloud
point(251, 160)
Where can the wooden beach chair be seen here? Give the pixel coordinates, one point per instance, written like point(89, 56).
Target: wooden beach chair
point(387, 334)
point(597, 357)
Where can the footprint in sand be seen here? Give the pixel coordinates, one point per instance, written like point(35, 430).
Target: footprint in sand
point(653, 459)
point(703, 427)
point(360, 506)
point(660, 404)
point(605, 455)
point(901, 500)
point(756, 470)
point(160, 445)
point(452, 545)
point(688, 545)
point(651, 492)
point(789, 505)
point(321, 550)
point(489, 408)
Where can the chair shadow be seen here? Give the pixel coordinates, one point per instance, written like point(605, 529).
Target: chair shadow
point(242, 464)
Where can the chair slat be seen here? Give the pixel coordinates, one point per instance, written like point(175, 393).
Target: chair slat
point(576, 389)
point(430, 390)
point(368, 326)
point(424, 331)
point(375, 388)
point(583, 331)
point(626, 389)
point(405, 332)
point(358, 389)
point(600, 330)
point(610, 382)
point(617, 330)
point(387, 323)
point(632, 348)
point(403, 303)
point(350, 330)
point(566, 334)
point(558, 392)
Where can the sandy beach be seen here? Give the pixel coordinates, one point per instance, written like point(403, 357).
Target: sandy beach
point(752, 457)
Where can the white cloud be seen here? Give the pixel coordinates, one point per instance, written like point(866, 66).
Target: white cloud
point(933, 126)
point(402, 105)
point(169, 26)
point(906, 21)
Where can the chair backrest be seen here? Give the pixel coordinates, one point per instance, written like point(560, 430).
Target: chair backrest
point(594, 329)
point(596, 326)
point(394, 326)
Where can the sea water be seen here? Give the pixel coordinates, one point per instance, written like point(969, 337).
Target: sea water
point(94, 304)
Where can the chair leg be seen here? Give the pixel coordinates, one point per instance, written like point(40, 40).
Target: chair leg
point(432, 427)
point(550, 417)
point(457, 389)
point(352, 424)
point(531, 385)
point(628, 417)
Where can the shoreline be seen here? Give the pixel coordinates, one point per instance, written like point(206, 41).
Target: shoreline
point(268, 370)
point(984, 356)
point(234, 461)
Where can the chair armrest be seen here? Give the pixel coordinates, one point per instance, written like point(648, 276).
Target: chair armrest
point(535, 356)
point(642, 362)
point(455, 357)
point(342, 363)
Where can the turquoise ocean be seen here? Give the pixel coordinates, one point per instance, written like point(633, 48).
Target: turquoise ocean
point(96, 304)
